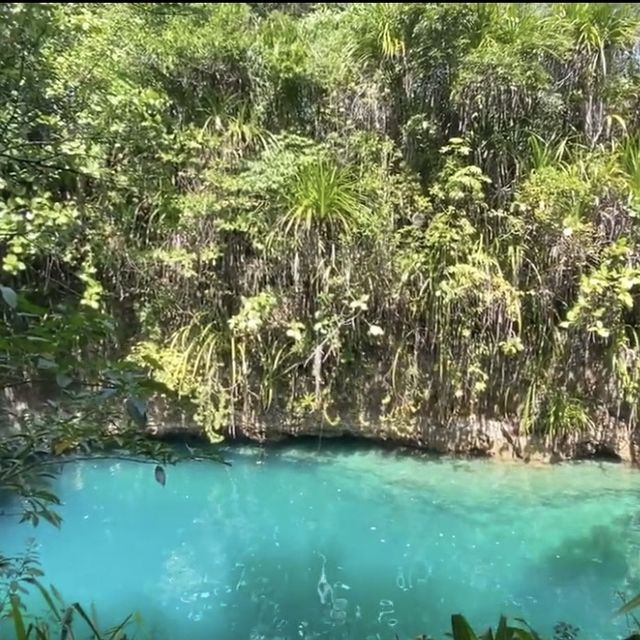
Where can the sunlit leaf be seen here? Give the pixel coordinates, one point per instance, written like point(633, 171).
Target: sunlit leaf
point(375, 330)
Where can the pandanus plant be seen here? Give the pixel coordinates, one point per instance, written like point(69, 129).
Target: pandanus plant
point(324, 199)
point(323, 208)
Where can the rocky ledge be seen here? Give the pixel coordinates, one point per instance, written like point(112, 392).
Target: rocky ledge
point(606, 438)
point(470, 436)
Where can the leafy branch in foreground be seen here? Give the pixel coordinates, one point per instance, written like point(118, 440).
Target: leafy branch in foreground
point(22, 574)
point(96, 408)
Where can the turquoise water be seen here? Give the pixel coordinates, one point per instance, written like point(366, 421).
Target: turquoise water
point(343, 543)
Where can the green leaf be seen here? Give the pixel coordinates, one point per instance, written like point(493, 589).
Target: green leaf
point(46, 595)
point(502, 632)
point(9, 296)
point(113, 633)
point(18, 622)
point(11, 263)
point(149, 384)
point(65, 626)
point(30, 308)
point(94, 614)
point(56, 594)
point(51, 517)
point(626, 299)
point(523, 634)
point(87, 619)
point(460, 628)
point(41, 634)
point(629, 606)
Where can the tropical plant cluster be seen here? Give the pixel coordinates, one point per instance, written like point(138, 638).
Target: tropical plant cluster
point(387, 213)
point(335, 212)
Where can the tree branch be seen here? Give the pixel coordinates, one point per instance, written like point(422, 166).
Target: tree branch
point(124, 458)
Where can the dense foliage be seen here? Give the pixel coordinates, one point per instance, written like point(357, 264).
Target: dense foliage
point(357, 212)
point(389, 214)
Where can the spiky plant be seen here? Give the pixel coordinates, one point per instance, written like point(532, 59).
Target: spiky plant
point(324, 199)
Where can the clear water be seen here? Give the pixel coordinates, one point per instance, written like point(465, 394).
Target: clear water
point(393, 544)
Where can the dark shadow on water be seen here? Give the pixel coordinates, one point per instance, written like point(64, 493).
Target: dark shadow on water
point(337, 447)
point(599, 553)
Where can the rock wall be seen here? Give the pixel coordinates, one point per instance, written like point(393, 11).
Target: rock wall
point(608, 438)
point(473, 435)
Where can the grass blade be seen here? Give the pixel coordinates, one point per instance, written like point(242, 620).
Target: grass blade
point(629, 606)
point(47, 597)
point(18, 622)
point(87, 619)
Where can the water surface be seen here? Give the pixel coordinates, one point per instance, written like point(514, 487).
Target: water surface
point(343, 543)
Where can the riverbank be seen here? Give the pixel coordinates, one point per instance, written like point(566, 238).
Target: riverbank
point(475, 436)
